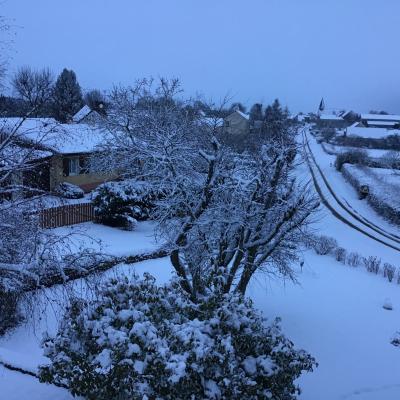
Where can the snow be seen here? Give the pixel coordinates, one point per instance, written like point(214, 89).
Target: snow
point(374, 153)
point(330, 117)
point(61, 138)
point(372, 133)
point(380, 117)
point(335, 312)
point(242, 114)
point(82, 113)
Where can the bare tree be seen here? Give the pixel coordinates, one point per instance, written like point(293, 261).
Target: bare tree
point(227, 214)
point(35, 87)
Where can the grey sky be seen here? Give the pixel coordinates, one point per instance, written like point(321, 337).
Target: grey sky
point(298, 50)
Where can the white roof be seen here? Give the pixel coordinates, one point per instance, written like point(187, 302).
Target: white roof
point(381, 117)
point(210, 121)
point(82, 113)
point(242, 114)
point(383, 123)
point(49, 134)
point(330, 117)
point(372, 133)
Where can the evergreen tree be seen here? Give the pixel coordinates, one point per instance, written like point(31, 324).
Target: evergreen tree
point(275, 120)
point(256, 113)
point(67, 96)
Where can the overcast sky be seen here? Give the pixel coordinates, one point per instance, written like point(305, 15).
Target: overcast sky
point(347, 51)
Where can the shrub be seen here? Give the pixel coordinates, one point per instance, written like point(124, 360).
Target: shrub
point(354, 259)
point(351, 157)
point(69, 191)
point(389, 271)
point(372, 264)
point(9, 310)
point(138, 341)
point(340, 254)
point(324, 245)
point(123, 203)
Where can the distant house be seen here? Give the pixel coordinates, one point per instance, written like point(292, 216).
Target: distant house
point(370, 132)
point(236, 124)
point(380, 121)
point(62, 151)
point(331, 121)
point(86, 116)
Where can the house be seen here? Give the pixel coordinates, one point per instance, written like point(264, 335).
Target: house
point(361, 131)
point(236, 124)
point(86, 116)
point(63, 151)
point(331, 121)
point(380, 121)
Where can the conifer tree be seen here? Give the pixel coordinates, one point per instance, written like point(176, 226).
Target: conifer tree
point(67, 96)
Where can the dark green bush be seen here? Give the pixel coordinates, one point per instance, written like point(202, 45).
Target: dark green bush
point(122, 204)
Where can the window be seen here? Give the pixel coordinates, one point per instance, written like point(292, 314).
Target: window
point(227, 123)
point(74, 168)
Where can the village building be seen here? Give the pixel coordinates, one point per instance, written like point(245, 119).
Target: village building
point(237, 124)
point(86, 116)
point(58, 152)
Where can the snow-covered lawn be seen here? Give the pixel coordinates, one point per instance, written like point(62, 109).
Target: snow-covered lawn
point(335, 312)
point(373, 153)
point(112, 241)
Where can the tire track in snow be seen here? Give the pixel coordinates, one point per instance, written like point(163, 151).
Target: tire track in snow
point(334, 212)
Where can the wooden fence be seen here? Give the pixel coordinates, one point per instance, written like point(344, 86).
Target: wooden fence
point(66, 215)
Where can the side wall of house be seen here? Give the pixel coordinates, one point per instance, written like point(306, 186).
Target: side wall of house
point(234, 124)
point(86, 181)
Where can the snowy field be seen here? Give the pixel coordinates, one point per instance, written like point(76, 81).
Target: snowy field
point(334, 312)
point(373, 153)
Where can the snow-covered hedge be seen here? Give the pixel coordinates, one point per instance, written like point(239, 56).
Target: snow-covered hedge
point(384, 192)
point(69, 191)
point(141, 341)
point(123, 203)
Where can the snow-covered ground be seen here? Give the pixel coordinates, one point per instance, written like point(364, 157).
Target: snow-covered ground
point(335, 311)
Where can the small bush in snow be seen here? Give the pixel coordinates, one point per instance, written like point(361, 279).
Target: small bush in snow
point(353, 259)
point(372, 264)
point(340, 254)
point(69, 191)
point(396, 340)
point(121, 204)
point(138, 340)
point(351, 157)
point(325, 245)
point(389, 271)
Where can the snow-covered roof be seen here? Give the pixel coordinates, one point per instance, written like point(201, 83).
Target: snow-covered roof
point(380, 117)
point(242, 114)
point(371, 133)
point(330, 117)
point(382, 123)
point(49, 134)
point(82, 113)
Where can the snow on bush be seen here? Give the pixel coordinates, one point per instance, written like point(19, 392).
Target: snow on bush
point(389, 271)
point(340, 254)
point(354, 259)
point(324, 245)
point(138, 340)
point(69, 191)
point(123, 203)
point(359, 157)
point(372, 264)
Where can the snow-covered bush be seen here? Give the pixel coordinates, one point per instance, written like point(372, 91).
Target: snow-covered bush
point(353, 259)
point(389, 271)
point(123, 203)
point(340, 254)
point(324, 245)
point(138, 340)
point(69, 191)
point(372, 264)
point(351, 157)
